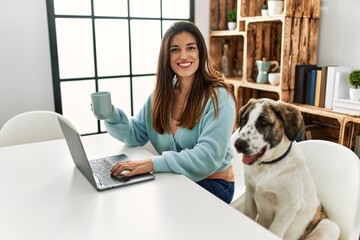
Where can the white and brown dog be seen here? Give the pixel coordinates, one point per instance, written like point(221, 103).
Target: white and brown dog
point(280, 193)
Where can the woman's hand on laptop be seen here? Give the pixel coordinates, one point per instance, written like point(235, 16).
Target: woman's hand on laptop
point(135, 167)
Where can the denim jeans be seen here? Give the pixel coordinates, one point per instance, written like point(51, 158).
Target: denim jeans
point(220, 188)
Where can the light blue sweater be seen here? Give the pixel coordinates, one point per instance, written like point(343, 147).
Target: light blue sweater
point(195, 153)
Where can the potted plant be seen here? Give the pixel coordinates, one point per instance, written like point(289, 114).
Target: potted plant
point(232, 17)
point(354, 80)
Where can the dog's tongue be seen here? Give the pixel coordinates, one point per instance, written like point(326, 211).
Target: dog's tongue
point(249, 159)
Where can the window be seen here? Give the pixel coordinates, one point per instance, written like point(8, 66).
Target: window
point(107, 45)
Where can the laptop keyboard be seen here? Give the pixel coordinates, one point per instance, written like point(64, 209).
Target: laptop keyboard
point(101, 169)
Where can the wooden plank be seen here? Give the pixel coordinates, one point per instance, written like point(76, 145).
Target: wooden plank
point(229, 5)
point(307, 8)
point(275, 42)
point(316, 8)
point(216, 51)
point(287, 53)
point(239, 57)
point(286, 96)
point(289, 8)
point(259, 41)
point(259, 4)
point(214, 18)
point(298, 8)
point(313, 40)
point(304, 41)
point(244, 10)
point(295, 45)
point(247, 93)
point(254, 93)
point(252, 8)
point(267, 43)
point(232, 43)
point(250, 53)
point(278, 42)
point(222, 15)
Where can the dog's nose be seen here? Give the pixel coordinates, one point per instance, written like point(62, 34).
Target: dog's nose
point(240, 145)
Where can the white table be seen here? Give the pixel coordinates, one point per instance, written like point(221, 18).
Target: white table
point(44, 197)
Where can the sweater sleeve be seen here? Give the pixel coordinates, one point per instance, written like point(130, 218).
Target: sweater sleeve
point(131, 131)
point(211, 152)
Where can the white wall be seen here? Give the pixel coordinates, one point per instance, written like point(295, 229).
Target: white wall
point(25, 68)
point(339, 40)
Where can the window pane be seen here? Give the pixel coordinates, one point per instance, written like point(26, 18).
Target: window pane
point(112, 45)
point(75, 47)
point(76, 104)
point(176, 9)
point(120, 94)
point(142, 89)
point(142, 8)
point(145, 47)
point(166, 25)
point(71, 7)
point(115, 8)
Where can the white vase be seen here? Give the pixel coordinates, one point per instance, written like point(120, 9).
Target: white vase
point(231, 25)
point(354, 94)
point(275, 7)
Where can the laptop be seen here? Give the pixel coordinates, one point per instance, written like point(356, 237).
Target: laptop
point(96, 171)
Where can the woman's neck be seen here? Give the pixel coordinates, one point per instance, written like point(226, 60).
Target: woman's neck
point(184, 85)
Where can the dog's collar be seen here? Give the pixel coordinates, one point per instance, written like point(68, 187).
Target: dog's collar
point(279, 158)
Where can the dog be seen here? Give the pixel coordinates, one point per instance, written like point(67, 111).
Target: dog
point(280, 192)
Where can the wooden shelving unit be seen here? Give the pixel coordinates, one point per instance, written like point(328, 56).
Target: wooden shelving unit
point(289, 38)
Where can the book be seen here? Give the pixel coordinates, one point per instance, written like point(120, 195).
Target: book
point(301, 79)
point(299, 84)
point(323, 85)
point(318, 87)
point(330, 80)
point(310, 85)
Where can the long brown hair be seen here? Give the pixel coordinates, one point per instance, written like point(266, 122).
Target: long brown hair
point(207, 79)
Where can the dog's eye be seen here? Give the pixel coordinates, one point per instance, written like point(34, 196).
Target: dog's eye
point(262, 121)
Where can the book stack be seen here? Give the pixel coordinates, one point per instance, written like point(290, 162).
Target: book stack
point(325, 86)
point(310, 85)
point(344, 105)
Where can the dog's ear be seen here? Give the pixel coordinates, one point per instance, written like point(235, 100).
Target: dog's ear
point(291, 117)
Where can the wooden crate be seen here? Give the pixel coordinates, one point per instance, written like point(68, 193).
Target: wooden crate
point(263, 42)
point(235, 55)
point(218, 12)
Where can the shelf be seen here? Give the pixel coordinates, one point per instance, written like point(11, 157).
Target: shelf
point(263, 87)
point(348, 125)
point(321, 112)
point(274, 18)
point(226, 33)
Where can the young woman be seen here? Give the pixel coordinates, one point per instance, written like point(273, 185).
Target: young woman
point(189, 118)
